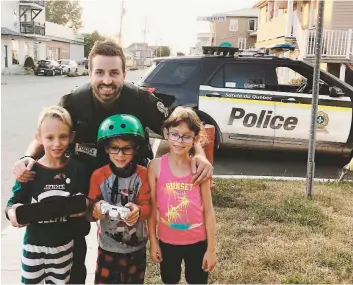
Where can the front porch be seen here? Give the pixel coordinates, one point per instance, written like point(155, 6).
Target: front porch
point(337, 45)
point(33, 28)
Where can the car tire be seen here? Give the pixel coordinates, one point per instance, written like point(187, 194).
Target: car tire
point(68, 70)
point(36, 74)
point(76, 69)
point(53, 73)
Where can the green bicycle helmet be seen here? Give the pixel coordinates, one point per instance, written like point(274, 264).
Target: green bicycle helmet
point(121, 125)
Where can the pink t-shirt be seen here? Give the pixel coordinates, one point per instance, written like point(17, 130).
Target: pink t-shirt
point(180, 207)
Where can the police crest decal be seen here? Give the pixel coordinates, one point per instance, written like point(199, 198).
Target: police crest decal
point(322, 120)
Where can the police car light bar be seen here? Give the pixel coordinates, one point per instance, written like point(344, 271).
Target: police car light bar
point(217, 50)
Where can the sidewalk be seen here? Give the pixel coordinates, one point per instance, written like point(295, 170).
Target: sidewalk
point(11, 241)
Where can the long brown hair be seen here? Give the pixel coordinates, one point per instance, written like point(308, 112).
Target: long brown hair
point(190, 118)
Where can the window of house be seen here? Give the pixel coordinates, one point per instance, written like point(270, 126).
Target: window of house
point(242, 43)
point(252, 24)
point(26, 50)
point(233, 25)
point(15, 49)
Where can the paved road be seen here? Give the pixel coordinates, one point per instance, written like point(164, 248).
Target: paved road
point(24, 96)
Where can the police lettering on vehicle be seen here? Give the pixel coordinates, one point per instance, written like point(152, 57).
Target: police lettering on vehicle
point(264, 120)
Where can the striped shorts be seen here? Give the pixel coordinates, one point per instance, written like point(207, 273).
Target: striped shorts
point(49, 264)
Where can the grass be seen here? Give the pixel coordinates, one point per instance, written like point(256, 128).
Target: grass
point(268, 232)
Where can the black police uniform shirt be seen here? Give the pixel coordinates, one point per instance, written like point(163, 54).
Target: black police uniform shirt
point(49, 184)
point(87, 114)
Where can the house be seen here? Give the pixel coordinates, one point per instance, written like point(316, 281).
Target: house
point(24, 32)
point(203, 39)
point(293, 22)
point(238, 29)
point(129, 58)
point(140, 51)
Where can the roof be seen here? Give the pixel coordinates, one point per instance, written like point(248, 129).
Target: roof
point(260, 4)
point(247, 12)
point(6, 31)
point(137, 46)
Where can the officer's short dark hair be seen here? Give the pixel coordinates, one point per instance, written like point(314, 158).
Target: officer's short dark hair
point(106, 48)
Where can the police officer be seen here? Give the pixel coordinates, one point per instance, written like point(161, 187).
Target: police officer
point(106, 94)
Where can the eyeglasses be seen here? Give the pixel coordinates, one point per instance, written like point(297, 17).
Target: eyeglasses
point(175, 137)
point(127, 150)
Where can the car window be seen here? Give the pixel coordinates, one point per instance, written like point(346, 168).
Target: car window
point(287, 76)
point(240, 76)
point(44, 62)
point(171, 73)
point(297, 79)
point(218, 79)
point(244, 76)
point(65, 62)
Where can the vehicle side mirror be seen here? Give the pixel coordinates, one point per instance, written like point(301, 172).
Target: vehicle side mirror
point(336, 92)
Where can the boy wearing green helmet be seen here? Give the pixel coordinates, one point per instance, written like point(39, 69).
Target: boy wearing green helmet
point(120, 197)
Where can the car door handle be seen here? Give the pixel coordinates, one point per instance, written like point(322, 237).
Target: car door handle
point(290, 100)
point(213, 94)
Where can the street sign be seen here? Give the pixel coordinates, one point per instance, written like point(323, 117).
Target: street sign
point(212, 18)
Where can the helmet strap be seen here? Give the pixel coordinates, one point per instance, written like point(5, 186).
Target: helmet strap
point(123, 172)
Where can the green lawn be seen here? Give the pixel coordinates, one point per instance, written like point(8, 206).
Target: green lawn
point(268, 232)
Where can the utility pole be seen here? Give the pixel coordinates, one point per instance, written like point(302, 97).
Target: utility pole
point(160, 47)
point(315, 99)
point(121, 21)
point(144, 41)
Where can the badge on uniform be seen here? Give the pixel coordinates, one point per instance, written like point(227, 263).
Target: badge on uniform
point(161, 108)
point(80, 148)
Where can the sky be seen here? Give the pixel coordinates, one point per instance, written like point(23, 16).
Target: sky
point(168, 22)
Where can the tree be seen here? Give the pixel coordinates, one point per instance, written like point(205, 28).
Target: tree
point(162, 51)
point(90, 39)
point(64, 12)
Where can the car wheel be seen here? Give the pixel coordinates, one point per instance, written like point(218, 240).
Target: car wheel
point(36, 74)
point(53, 73)
point(76, 69)
point(68, 70)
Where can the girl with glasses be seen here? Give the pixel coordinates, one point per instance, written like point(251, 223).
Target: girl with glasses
point(186, 220)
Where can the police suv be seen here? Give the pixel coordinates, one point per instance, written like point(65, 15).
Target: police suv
point(256, 100)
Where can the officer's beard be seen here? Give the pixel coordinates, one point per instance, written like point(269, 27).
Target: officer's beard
point(107, 99)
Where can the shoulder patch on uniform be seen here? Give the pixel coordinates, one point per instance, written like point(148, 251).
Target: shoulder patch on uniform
point(163, 109)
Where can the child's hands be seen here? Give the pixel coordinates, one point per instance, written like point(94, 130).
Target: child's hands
point(155, 252)
point(209, 260)
point(97, 213)
point(132, 218)
point(11, 212)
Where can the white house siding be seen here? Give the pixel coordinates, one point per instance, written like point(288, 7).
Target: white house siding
point(8, 19)
point(77, 52)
